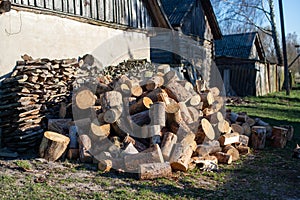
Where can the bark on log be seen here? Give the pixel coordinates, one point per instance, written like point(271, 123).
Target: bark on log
point(244, 140)
point(100, 129)
point(165, 68)
point(180, 157)
point(243, 150)
point(177, 92)
point(111, 99)
point(113, 114)
point(229, 138)
point(223, 157)
point(258, 137)
point(290, 132)
point(169, 140)
point(141, 105)
point(108, 164)
point(207, 98)
point(132, 162)
point(229, 149)
point(154, 170)
point(208, 148)
point(279, 137)
point(53, 145)
point(154, 82)
point(237, 128)
point(84, 146)
point(158, 114)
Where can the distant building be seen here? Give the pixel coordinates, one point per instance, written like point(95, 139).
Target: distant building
point(243, 65)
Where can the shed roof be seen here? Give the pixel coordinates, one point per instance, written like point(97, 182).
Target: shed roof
point(239, 45)
point(176, 10)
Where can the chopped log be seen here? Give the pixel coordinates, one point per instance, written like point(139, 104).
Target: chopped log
point(208, 129)
point(185, 114)
point(229, 138)
point(250, 121)
point(194, 113)
point(200, 86)
point(208, 148)
point(229, 149)
point(100, 129)
point(154, 170)
point(195, 100)
point(214, 91)
point(73, 154)
point(132, 162)
point(247, 129)
point(169, 139)
point(59, 125)
point(244, 140)
point(130, 149)
point(189, 140)
point(224, 127)
point(243, 150)
point(223, 157)
point(141, 105)
point(170, 76)
point(165, 68)
point(279, 137)
point(177, 92)
point(158, 114)
point(111, 99)
point(84, 146)
point(258, 137)
point(290, 132)
point(180, 157)
point(237, 128)
point(206, 163)
point(154, 82)
point(141, 118)
point(85, 99)
point(73, 135)
point(53, 145)
point(108, 164)
point(207, 98)
point(113, 114)
point(153, 95)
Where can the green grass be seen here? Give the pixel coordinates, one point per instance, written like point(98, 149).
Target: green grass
point(265, 174)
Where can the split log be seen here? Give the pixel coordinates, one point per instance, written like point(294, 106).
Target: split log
point(180, 157)
point(158, 114)
point(111, 99)
point(244, 140)
point(169, 139)
point(185, 114)
point(154, 170)
point(170, 76)
point(229, 138)
point(195, 100)
point(194, 113)
point(207, 98)
point(290, 132)
point(73, 135)
point(141, 105)
point(141, 118)
point(154, 82)
point(53, 145)
point(132, 162)
point(243, 150)
point(229, 149)
point(208, 129)
point(100, 129)
point(153, 95)
point(237, 128)
point(258, 137)
point(224, 126)
point(85, 99)
point(208, 148)
point(200, 86)
point(223, 157)
point(206, 163)
point(279, 137)
point(177, 92)
point(84, 146)
point(130, 149)
point(108, 164)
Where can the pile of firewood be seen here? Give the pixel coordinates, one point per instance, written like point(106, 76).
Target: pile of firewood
point(36, 90)
point(159, 123)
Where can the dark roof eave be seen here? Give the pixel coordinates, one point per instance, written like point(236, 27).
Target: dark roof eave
point(158, 14)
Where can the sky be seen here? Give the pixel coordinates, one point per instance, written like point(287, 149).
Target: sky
point(291, 12)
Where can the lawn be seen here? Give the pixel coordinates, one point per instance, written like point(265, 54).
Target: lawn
point(266, 174)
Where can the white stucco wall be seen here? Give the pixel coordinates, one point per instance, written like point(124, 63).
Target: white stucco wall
point(53, 37)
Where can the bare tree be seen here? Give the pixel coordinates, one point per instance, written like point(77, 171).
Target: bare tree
point(291, 41)
point(237, 16)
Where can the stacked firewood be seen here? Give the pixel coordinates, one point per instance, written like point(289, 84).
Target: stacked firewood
point(36, 90)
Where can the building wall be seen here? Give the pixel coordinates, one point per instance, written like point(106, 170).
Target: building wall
point(40, 35)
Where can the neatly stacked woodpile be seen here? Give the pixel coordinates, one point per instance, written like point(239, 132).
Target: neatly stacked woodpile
point(36, 89)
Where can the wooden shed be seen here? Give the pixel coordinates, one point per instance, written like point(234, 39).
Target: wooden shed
point(70, 28)
point(195, 21)
point(243, 66)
